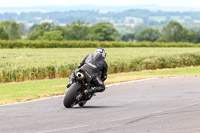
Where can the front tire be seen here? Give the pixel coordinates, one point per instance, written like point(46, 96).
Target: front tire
point(70, 95)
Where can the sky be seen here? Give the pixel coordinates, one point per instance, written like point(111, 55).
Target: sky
point(166, 3)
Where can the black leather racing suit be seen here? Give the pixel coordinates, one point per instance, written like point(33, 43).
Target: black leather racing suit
point(97, 67)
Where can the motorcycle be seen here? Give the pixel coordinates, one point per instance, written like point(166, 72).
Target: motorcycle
point(75, 93)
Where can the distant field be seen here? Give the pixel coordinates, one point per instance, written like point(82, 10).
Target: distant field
point(63, 56)
point(34, 63)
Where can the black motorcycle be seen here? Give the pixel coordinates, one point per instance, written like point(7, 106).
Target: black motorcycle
point(75, 93)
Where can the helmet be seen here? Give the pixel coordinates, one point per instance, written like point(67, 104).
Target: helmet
point(101, 51)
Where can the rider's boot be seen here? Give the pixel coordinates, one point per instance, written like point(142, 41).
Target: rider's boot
point(89, 91)
point(94, 90)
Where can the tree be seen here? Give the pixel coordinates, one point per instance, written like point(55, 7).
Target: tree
point(138, 28)
point(77, 30)
point(51, 35)
point(148, 34)
point(103, 31)
point(3, 34)
point(12, 28)
point(193, 36)
point(35, 34)
point(40, 29)
point(174, 32)
point(33, 27)
point(14, 31)
point(128, 37)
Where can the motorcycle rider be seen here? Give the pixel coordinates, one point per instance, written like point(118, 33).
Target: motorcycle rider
point(96, 66)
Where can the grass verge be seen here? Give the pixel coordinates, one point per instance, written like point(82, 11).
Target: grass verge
point(29, 90)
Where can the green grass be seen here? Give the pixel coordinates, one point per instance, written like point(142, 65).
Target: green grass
point(15, 92)
point(24, 91)
point(178, 71)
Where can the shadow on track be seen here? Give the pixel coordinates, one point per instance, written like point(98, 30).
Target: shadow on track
point(92, 107)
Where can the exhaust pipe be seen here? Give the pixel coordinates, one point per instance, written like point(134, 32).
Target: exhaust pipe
point(79, 75)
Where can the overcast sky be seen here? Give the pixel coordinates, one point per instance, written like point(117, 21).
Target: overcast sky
point(167, 3)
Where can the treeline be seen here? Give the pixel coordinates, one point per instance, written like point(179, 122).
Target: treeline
point(172, 32)
point(103, 31)
point(78, 30)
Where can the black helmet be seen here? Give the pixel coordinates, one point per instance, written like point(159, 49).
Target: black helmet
point(101, 51)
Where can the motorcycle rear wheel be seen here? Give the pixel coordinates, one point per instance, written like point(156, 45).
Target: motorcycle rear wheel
point(70, 95)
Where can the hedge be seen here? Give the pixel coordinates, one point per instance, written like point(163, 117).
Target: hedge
point(88, 44)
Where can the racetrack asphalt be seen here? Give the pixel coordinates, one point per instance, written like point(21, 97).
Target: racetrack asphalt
point(163, 105)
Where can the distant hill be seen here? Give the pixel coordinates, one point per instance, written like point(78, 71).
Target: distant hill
point(133, 16)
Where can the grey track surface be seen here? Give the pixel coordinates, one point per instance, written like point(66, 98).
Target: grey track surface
point(164, 105)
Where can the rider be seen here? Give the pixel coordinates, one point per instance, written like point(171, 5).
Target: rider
point(96, 66)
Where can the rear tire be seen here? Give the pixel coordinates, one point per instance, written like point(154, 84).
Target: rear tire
point(70, 95)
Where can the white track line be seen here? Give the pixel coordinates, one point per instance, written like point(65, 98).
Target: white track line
point(135, 81)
